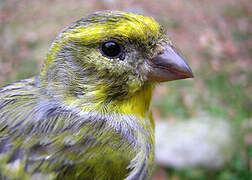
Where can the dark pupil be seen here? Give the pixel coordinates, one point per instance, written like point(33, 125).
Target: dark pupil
point(111, 49)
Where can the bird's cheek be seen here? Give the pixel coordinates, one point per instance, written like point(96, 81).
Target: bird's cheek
point(134, 84)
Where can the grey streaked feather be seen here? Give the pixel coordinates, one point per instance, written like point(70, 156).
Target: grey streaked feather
point(30, 115)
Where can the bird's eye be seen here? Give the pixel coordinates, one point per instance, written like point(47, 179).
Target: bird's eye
point(112, 50)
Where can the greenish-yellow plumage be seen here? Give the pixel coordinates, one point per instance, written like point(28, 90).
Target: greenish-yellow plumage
point(86, 115)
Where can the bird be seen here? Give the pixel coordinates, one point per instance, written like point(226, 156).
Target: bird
point(87, 115)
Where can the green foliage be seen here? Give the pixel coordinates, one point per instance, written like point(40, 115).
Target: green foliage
point(26, 69)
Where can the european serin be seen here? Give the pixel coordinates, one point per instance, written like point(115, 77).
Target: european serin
point(86, 115)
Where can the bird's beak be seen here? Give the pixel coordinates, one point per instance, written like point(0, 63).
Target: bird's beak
point(168, 66)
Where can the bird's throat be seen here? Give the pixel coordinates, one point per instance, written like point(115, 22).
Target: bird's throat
point(136, 104)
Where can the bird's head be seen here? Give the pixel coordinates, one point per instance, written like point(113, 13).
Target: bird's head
point(110, 56)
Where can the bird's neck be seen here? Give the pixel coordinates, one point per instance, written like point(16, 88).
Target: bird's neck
point(136, 104)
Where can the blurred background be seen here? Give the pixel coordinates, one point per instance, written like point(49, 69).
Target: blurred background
point(204, 125)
